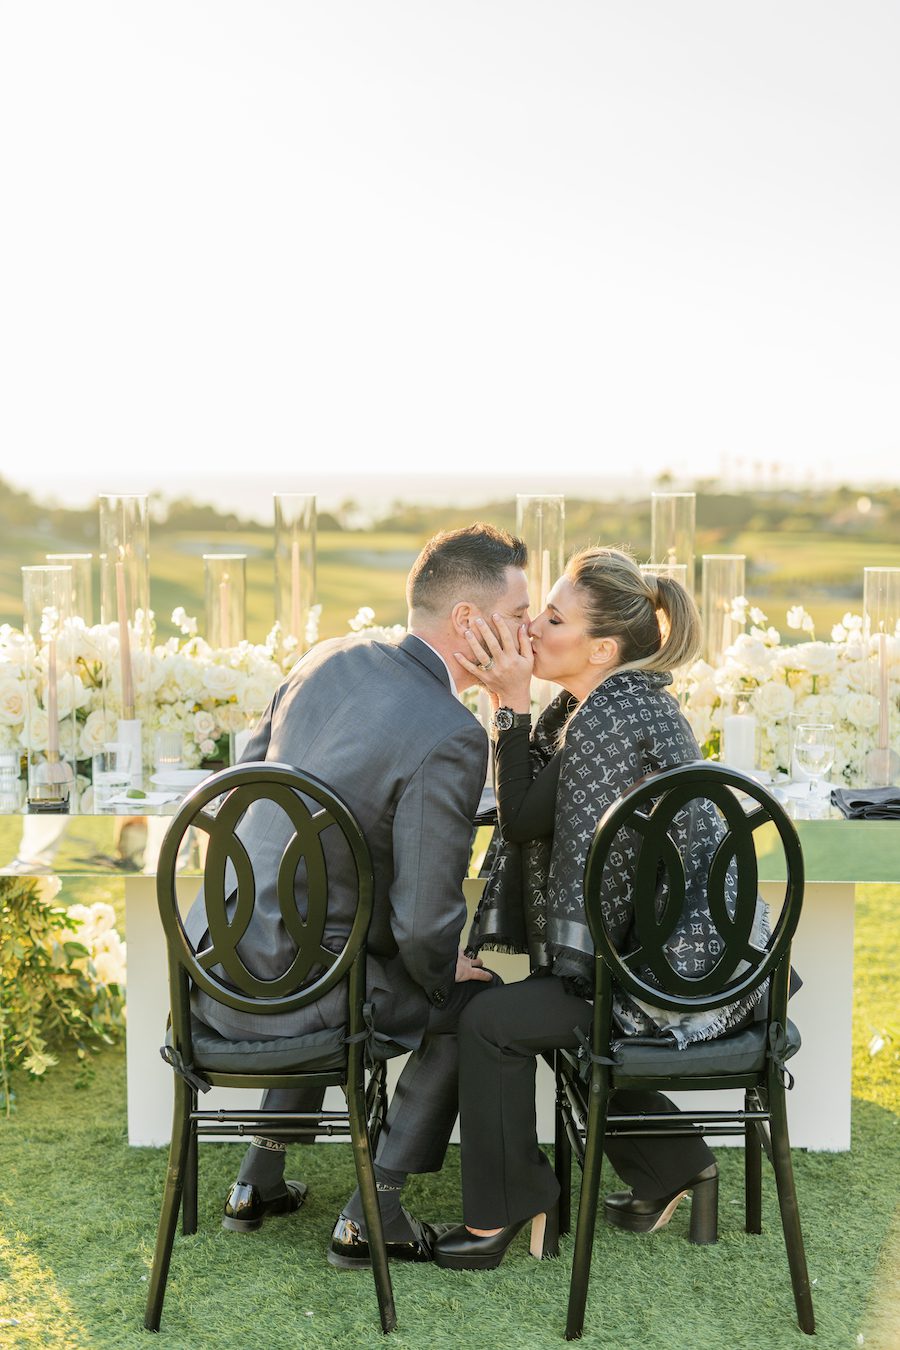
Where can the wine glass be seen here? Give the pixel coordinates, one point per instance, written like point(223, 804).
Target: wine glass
point(814, 751)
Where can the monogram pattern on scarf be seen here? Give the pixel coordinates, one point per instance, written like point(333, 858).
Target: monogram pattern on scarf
point(630, 726)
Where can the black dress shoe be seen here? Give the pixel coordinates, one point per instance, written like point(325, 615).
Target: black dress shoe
point(245, 1208)
point(624, 1210)
point(461, 1249)
point(350, 1248)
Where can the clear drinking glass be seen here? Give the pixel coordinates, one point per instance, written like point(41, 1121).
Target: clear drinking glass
point(110, 773)
point(814, 751)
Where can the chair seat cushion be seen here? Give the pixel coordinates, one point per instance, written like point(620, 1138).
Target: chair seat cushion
point(315, 1052)
point(742, 1052)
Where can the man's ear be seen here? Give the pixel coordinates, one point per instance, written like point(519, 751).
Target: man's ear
point(604, 652)
point(462, 615)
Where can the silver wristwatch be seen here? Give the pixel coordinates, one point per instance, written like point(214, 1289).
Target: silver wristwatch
point(504, 719)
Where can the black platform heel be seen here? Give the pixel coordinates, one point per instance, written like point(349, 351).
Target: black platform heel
point(461, 1250)
point(623, 1210)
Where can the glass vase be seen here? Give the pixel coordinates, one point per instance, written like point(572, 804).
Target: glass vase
point(723, 580)
point(82, 584)
point(50, 725)
point(673, 519)
point(881, 628)
point(225, 585)
point(541, 524)
point(125, 615)
point(295, 566)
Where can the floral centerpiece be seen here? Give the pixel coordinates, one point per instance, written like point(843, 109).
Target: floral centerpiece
point(809, 681)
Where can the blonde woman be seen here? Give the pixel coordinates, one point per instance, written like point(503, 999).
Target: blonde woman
point(610, 637)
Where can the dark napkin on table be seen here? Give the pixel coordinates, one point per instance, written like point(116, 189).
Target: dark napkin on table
point(868, 803)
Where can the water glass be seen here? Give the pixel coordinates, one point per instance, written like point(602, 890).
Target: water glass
point(110, 773)
point(814, 751)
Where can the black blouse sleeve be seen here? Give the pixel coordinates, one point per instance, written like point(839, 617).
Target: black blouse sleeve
point(526, 805)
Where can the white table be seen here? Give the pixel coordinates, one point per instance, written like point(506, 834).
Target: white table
point(839, 854)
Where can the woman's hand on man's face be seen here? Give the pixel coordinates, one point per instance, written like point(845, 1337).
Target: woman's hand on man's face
point(502, 661)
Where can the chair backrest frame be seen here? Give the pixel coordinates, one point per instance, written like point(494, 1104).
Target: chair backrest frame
point(244, 992)
point(667, 792)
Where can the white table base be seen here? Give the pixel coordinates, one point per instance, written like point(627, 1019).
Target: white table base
point(819, 1106)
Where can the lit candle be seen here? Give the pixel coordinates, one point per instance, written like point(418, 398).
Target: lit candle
point(295, 590)
point(52, 706)
point(883, 708)
point(224, 612)
point(124, 644)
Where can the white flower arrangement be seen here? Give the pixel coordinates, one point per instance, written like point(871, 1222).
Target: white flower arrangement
point(834, 681)
point(188, 686)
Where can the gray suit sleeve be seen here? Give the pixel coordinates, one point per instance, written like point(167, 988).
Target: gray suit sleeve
point(431, 838)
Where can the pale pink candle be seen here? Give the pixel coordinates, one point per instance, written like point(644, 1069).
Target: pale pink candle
point(295, 590)
point(224, 611)
point(882, 692)
point(52, 705)
point(124, 645)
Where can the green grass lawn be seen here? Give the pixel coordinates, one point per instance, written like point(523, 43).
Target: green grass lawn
point(78, 1213)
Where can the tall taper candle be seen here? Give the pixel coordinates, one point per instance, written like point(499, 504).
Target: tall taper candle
point(295, 591)
point(224, 612)
point(883, 709)
point(52, 704)
point(124, 644)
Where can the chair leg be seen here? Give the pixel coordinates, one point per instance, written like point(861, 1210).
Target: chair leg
point(787, 1200)
point(189, 1197)
point(752, 1173)
point(365, 1176)
point(587, 1209)
point(562, 1161)
point(168, 1219)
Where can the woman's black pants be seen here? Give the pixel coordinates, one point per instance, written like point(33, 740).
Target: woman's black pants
point(505, 1175)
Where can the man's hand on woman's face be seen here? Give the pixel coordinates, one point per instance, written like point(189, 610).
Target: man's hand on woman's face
point(501, 660)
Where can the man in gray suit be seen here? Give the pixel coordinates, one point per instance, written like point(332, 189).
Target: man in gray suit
point(382, 725)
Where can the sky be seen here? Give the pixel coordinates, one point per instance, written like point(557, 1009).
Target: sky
point(496, 239)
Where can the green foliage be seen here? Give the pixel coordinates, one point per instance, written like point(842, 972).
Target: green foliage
point(50, 994)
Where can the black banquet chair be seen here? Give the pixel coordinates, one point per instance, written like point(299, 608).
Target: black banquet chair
point(201, 1058)
point(751, 1059)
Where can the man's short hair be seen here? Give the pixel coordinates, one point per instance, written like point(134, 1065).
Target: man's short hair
point(465, 564)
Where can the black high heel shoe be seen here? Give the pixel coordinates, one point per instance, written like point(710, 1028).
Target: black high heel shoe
point(461, 1249)
point(646, 1216)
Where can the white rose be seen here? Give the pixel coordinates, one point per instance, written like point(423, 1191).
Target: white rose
point(700, 722)
point(102, 919)
point(816, 658)
point(231, 717)
point(861, 710)
point(109, 968)
point(750, 653)
point(772, 701)
point(207, 747)
point(188, 678)
point(257, 692)
point(99, 727)
point(12, 702)
point(222, 682)
point(35, 731)
point(204, 724)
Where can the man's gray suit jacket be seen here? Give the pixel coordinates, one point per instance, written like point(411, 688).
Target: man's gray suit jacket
point(378, 724)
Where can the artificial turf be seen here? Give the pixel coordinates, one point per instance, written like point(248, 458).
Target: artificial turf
point(78, 1213)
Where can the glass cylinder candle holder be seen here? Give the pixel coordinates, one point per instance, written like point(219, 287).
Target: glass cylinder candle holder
point(541, 524)
point(673, 518)
point(723, 581)
point(50, 727)
point(295, 565)
point(82, 585)
point(225, 585)
point(881, 627)
point(125, 614)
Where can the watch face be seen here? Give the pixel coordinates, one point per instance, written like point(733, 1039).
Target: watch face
point(503, 719)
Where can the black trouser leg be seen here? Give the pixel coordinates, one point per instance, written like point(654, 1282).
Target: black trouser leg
point(506, 1176)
